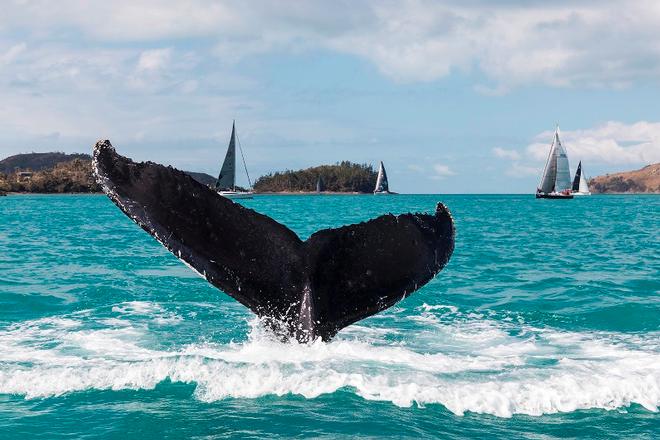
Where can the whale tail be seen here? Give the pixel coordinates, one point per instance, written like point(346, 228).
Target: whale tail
point(303, 289)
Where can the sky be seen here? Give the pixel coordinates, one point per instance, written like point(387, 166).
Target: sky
point(454, 96)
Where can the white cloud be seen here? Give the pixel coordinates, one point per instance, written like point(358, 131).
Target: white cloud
point(189, 86)
point(515, 168)
point(441, 171)
point(84, 94)
point(12, 53)
point(506, 154)
point(561, 44)
point(519, 170)
point(123, 20)
point(610, 143)
point(156, 59)
point(91, 69)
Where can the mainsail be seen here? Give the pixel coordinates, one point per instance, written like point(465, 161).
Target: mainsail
point(556, 175)
point(320, 187)
point(227, 178)
point(381, 181)
point(550, 171)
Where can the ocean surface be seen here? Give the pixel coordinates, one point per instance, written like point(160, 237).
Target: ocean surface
point(545, 324)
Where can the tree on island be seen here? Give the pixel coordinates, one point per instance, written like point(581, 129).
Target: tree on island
point(342, 177)
point(41, 173)
point(67, 177)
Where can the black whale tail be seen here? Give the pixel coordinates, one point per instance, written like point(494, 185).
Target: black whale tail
point(303, 290)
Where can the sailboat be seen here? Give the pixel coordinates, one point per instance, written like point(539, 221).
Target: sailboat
point(320, 187)
point(226, 183)
point(580, 186)
point(382, 187)
point(556, 180)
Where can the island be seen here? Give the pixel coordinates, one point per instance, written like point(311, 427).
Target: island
point(47, 173)
point(643, 181)
point(58, 173)
point(342, 177)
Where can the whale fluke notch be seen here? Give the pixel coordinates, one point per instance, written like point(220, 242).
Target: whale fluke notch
point(302, 289)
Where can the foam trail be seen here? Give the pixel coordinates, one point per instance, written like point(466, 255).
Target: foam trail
point(473, 364)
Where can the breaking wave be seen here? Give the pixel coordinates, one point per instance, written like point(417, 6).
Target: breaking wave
point(465, 362)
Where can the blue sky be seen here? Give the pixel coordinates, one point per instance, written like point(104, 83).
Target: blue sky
point(454, 97)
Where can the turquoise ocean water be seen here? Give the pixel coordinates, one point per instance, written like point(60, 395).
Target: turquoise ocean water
point(545, 324)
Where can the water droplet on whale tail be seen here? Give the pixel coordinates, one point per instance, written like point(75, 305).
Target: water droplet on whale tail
point(304, 289)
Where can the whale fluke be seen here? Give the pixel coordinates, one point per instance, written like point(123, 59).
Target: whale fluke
point(302, 289)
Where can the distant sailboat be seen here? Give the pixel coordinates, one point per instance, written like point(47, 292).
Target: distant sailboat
point(320, 187)
point(226, 183)
point(382, 187)
point(580, 186)
point(556, 180)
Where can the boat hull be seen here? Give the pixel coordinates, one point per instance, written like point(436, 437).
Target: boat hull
point(236, 194)
point(577, 193)
point(553, 196)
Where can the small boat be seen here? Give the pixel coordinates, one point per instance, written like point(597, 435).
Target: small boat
point(320, 187)
point(226, 183)
point(556, 180)
point(382, 187)
point(580, 186)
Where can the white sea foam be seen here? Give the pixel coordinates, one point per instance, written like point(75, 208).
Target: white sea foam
point(151, 310)
point(538, 371)
point(428, 308)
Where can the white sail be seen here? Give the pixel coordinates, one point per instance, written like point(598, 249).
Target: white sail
point(381, 182)
point(226, 183)
point(584, 187)
point(556, 174)
point(550, 171)
point(563, 179)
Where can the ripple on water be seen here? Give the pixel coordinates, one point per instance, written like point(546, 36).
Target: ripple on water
point(544, 309)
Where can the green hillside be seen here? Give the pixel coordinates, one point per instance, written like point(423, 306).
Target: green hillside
point(38, 161)
point(57, 173)
point(341, 177)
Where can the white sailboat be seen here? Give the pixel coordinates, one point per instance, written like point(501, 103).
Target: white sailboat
point(382, 187)
point(226, 183)
point(580, 186)
point(556, 179)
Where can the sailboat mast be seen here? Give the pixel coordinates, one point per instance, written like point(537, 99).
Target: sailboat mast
point(232, 142)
